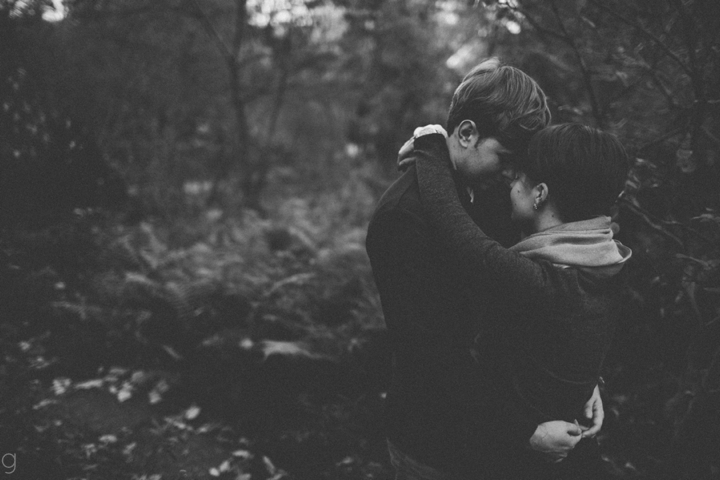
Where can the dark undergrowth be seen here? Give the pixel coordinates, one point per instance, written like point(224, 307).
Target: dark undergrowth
point(212, 347)
point(239, 347)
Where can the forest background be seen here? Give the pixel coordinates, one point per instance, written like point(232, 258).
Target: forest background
point(184, 191)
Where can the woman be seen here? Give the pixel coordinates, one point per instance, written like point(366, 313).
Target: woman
point(561, 284)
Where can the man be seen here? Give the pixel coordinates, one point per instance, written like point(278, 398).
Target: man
point(432, 315)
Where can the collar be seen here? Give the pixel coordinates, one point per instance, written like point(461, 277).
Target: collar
point(585, 244)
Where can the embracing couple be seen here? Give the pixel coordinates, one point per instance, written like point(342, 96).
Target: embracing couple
point(500, 305)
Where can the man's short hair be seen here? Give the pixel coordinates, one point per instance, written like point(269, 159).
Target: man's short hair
point(584, 168)
point(504, 103)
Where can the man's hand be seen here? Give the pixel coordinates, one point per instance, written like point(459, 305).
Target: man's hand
point(405, 158)
point(594, 410)
point(555, 439)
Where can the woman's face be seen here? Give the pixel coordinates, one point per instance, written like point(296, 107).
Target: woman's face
point(523, 196)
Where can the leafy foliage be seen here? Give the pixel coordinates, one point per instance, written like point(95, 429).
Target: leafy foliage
point(49, 163)
point(249, 318)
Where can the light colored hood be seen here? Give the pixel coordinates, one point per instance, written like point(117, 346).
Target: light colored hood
point(587, 244)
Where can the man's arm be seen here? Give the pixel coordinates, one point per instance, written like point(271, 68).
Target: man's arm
point(401, 255)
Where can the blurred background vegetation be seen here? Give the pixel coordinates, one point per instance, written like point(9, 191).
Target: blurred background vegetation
point(184, 191)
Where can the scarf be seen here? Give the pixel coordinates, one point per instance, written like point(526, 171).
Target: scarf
point(587, 244)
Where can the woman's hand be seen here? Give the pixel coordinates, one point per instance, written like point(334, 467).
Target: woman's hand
point(556, 439)
point(594, 410)
point(405, 157)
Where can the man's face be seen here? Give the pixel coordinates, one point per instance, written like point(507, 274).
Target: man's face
point(476, 158)
point(481, 159)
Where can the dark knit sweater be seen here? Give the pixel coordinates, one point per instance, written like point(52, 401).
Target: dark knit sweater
point(432, 316)
point(560, 321)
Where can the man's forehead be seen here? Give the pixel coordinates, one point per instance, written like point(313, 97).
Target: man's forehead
point(498, 145)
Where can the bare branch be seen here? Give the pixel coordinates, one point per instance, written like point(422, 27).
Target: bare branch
point(645, 32)
point(535, 24)
point(700, 105)
point(689, 229)
point(94, 14)
point(710, 135)
point(212, 31)
point(240, 22)
point(587, 76)
point(626, 90)
point(663, 89)
point(652, 223)
point(87, 14)
point(661, 138)
point(689, 34)
point(565, 38)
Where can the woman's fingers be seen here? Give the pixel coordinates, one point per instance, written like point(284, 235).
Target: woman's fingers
point(594, 410)
point(405, 158)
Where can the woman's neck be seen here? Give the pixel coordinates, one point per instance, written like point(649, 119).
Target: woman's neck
point(547, 217)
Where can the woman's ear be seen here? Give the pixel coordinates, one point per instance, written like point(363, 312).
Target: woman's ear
point(541, 193)
point(467, 133)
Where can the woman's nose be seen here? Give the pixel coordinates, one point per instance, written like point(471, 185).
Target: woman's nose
point(508, 174)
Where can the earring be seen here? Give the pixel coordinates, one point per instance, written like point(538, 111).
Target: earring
point(537, 204)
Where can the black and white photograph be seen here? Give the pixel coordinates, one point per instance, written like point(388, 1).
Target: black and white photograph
point(360, 239)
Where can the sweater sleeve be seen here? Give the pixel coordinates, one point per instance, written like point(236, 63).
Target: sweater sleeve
point(472, 251)
point(401, 257)
point(485, 262)
point(516, 423)
point(400, 254)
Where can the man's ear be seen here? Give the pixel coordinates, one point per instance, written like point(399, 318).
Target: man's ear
point(467, 133)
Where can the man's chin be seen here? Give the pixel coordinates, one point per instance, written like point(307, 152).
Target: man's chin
point(488, 183)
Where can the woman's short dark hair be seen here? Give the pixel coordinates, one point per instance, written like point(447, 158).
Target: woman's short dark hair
point(584, 168)
point(504, 103)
